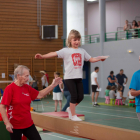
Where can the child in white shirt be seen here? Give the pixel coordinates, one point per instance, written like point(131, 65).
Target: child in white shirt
point(112, 92)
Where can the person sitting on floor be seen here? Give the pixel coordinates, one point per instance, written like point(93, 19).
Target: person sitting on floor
point(119, 94)
point(108, 88)
point(130, 96)
point(112, 92)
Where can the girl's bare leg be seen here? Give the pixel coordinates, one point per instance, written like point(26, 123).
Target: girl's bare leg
point(56, 102)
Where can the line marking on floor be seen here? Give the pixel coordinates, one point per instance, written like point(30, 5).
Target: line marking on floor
point(54, 136)
point(100, 113)
point(105, 109)
point(109, 115)
point(108, 119)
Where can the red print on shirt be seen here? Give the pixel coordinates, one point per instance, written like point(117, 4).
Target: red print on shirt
point(77, 59)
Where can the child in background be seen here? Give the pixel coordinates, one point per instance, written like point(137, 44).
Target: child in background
point(108, 88)
point(44, 79)
point(74, 58)
point(119, 94)
point(112, 92)
point(57, 93)
point(35, 83)
point(130, 96)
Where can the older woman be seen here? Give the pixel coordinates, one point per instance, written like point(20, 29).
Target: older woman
point(17, 98)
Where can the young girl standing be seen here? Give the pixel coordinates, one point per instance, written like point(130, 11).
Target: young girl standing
point(108, 88)
point(119, 94)
point(74, 58)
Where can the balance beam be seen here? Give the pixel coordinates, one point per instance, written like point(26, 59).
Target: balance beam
point(82, 129)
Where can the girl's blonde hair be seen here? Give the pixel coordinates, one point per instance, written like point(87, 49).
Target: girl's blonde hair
point(73, 34)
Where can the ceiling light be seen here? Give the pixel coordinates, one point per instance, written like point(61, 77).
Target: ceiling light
point(130, 51)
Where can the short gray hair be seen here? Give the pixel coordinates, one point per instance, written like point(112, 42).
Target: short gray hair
point(19, 70)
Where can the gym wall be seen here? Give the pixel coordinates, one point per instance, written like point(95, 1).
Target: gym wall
point(117, 11)
point(119, 59)
point(20, 40)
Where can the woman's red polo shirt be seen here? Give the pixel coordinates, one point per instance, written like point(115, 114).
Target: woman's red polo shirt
point(18, 100)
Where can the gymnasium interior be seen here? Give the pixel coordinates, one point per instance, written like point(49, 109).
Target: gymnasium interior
point(28, 27)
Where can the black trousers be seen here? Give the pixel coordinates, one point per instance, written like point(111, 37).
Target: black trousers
point(31, 133)
point(75, 87)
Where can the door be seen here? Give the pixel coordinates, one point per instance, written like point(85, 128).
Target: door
point(86, 77)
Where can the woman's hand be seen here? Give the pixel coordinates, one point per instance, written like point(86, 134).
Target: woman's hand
point(48, 89)
point(38, 56)
point(9, 127)
point(56, 81)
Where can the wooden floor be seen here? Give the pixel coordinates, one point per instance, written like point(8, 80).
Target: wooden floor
point(116, 116)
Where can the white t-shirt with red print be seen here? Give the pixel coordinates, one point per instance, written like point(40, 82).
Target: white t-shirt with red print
point(73, 61)
point(18, 100)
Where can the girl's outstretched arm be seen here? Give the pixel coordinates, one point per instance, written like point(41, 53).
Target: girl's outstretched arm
point(99, 58)
point(48, 55)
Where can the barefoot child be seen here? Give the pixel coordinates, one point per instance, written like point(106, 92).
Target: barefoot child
point(57, 93)
point(74, 58)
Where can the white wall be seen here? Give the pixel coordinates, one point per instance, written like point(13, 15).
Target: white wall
point(116, 14)
point(119, 59)
point(75, 16)
point(86, 17)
